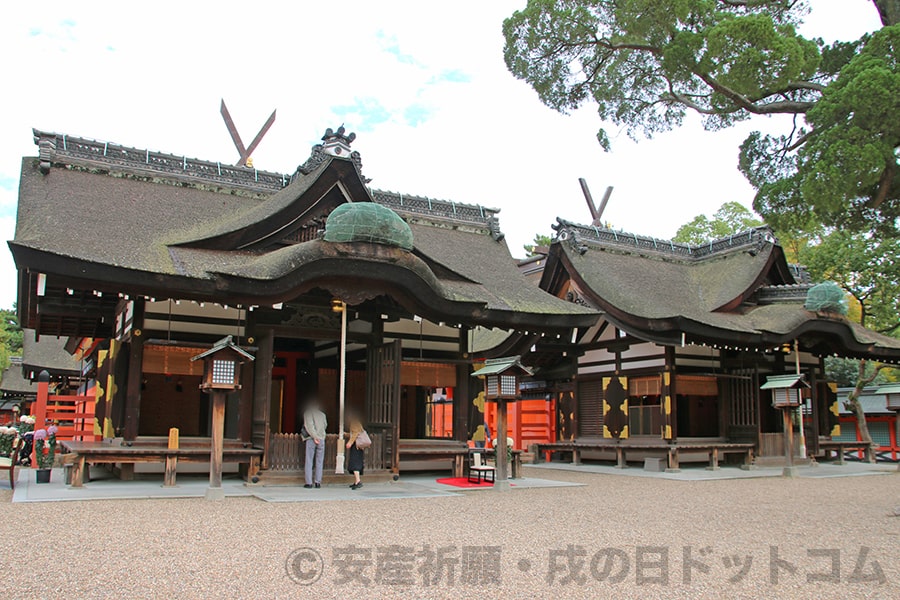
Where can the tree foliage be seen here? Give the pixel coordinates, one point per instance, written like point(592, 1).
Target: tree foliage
point(845, 372)
point(645, 64)
point(539, 240)
point(866, 267)
point(10, 336)
point(731, 218)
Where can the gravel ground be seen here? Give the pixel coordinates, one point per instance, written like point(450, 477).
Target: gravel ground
point(239, 548)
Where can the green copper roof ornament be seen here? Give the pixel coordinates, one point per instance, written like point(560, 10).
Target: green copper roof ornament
point(826, 297)
point(368, 222)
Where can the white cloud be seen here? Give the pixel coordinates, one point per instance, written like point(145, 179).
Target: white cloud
point(423, 84)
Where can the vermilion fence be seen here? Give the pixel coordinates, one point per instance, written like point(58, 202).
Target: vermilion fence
point(72, 415)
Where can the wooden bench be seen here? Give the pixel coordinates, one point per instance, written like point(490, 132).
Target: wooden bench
point(713, 449)
point(548, 448)
point(436, 450)
point(840, 446)
point(153, 451)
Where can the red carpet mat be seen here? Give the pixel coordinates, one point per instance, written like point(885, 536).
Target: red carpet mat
point(462, 482)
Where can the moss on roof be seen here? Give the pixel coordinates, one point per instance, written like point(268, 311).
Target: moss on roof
point(368, 222)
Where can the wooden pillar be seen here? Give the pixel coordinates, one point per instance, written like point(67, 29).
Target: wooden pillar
point(78, 468)
point(461, 400)
point(245, 403)
point(674, 464)
point(171, 459)
point(135, 375)
point(262, 393)
point(713, 460)
point(215, 492)
point(40, 410)
point(789, 470)
point(669, 400)
point(502, 462)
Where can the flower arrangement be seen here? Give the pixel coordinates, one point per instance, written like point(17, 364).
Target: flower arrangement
point(45, 446)
point(26, 423)
point(8, 436)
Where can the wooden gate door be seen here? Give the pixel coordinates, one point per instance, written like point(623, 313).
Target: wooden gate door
point(383, 399)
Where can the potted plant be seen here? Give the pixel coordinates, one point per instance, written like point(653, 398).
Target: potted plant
point(26, 424)
point(45, 452)
point(8, 437)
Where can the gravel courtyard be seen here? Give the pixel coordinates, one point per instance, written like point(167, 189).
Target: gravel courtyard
point(622, 537)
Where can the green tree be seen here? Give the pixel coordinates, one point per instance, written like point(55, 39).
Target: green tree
point(539, 240)
point(10, 336)
point(845, 372)
point(865, 266)
point(645, 64)
point(731, 218)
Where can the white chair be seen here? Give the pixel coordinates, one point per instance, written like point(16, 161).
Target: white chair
point(479, 471)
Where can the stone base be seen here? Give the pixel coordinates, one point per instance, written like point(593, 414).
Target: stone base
point(656, 465)
point(673, 470)
point(789, 472)
point(501, 485)
point(215, 494)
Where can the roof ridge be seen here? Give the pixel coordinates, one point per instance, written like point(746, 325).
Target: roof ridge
point(79, 150)
point(444, 209)
point(53, 146)
point(605, 237)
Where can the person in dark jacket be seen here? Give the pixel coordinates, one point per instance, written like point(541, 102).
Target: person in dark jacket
point(356, 460)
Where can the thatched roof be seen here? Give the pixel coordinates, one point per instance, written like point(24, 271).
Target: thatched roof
point(13, 384)
point(733, 291)
point(47, 353)
point(123, 224)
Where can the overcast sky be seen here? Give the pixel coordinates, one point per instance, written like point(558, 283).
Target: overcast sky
point(422, 84)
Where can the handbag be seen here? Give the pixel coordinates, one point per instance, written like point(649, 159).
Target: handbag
point(363, 440)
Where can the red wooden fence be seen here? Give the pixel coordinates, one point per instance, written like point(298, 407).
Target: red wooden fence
point(72, 415)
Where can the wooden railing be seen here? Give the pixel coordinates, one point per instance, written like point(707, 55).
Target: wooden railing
point(287, 452)
point(73, 416)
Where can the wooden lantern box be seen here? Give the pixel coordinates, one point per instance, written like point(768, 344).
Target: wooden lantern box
point(221, 366)
point(786, 389)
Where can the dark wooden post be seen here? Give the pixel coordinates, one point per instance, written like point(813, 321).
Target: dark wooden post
point(461, 399)
point(245, 404)
point(135, 375)
point(262, 393)
point(215, 492)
